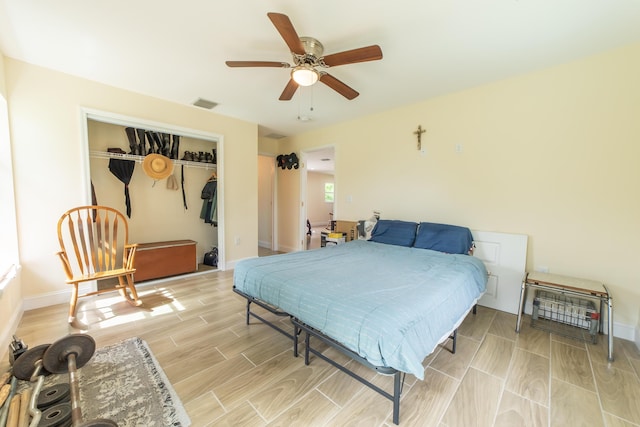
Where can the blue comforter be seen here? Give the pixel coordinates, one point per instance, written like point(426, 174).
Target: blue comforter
point(391, 305)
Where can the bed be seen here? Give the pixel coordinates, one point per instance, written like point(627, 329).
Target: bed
point(387, 302)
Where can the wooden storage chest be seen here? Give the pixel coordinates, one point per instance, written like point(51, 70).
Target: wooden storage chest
point(162, 259)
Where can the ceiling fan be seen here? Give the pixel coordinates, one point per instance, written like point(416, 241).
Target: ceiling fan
point(307, 59)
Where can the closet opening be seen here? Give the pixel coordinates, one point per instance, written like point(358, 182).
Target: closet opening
point(176, 210)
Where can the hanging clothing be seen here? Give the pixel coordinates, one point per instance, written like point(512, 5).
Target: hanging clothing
point(184, 195)
point(123, 170)
point(94, 201)
point(209, 195)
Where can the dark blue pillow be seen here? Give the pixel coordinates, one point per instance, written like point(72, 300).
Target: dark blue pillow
point(450, 239)
point(394, 232)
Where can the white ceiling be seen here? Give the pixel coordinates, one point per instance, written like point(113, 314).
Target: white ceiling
point(321, 160)
point(176, 50)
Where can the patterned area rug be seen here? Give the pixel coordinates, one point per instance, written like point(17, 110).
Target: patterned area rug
point(124, 383)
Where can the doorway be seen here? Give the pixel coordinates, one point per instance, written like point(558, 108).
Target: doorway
point(318, 194)
point(267, 240)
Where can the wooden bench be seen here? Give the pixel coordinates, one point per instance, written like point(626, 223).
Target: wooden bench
point(163, 259)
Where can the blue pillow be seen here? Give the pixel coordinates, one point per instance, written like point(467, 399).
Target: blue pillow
point(394, 232)
point(450, 239)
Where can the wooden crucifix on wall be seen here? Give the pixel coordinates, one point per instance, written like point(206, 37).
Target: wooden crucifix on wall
point(419, 133)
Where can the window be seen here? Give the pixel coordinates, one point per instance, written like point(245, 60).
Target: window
point(328, 192)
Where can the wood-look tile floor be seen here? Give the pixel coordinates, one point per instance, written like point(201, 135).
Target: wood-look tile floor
point(230, 373)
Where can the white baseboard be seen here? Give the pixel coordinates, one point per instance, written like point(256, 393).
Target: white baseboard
point(63, 296)
point(287, 249)
point(626, 332)
point(232, 264)
point(264, 244)
point(51, 298)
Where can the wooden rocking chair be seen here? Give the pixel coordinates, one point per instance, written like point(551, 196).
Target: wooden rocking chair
point(98, 238)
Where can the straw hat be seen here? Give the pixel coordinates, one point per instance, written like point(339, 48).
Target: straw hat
point(157, 166)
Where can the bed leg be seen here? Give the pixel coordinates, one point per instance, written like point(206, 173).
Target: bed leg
point(307, 340)
point(248, 310)
point(475, 308)
point(455, 340)
point(296, 331)
point(397, 389)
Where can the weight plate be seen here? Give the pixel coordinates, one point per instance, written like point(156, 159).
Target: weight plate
point(98, 423)
point(25, 364)
point(55, 416)
point(55, 358)
point(52, 395)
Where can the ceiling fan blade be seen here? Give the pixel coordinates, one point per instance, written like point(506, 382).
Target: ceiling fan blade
point(257, 64)
point(338, 86)
point(289, 90)
point(363, 54)
point(286, 30)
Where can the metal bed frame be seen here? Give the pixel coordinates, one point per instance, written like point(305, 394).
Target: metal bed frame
point(398, 376)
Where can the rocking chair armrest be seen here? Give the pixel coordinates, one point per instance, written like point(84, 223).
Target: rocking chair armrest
point(129, 255)
point(65, 264)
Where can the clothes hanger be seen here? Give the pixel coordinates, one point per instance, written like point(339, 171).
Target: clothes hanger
point(213, 177)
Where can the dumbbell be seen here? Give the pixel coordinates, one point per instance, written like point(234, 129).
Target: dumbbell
point(57, 393)
point(28, 367)
point(67, 355)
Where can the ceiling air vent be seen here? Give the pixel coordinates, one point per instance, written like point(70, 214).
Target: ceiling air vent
point(274, 136)
point(203, 103)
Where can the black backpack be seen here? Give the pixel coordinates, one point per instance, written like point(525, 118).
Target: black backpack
point(211, 257)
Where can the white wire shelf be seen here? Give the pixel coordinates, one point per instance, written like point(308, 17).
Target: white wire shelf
point(139, 159)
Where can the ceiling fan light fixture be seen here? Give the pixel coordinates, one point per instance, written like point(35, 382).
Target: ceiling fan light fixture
point(304, 75)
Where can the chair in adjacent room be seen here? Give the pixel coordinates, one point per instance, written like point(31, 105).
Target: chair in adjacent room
point(94, 246)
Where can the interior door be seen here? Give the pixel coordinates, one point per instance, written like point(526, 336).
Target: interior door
point(505, 256)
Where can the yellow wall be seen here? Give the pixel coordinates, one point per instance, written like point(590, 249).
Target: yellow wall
point(268, 146)
point(552, 154)
point(11, 295)
point(50, 168)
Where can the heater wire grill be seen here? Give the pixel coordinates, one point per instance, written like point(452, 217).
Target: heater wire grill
point(564, 315)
